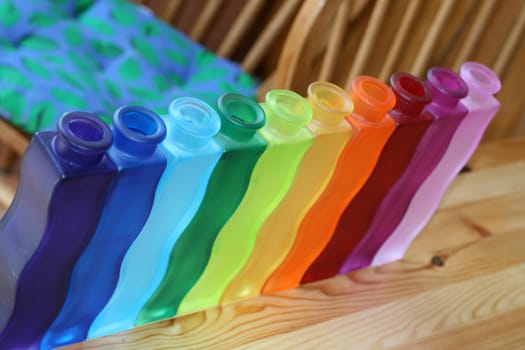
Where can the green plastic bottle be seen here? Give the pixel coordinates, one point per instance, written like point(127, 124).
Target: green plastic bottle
point(240, 117)
point(288, 139)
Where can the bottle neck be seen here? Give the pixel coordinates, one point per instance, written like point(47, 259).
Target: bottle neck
point(372, 98)
point(286, 112)
point(82, 139)
point(240, 116)
point(447, 87)
point(412, 95)
point(330, 104)
point(482, 82)
point(191, 123)
point(137, 131)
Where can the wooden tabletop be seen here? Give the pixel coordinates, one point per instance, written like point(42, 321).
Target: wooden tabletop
point(461, 285)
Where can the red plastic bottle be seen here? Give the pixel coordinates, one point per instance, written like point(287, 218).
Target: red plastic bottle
point(411, 97)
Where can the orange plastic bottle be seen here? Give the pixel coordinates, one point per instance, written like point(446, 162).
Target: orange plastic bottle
point(330, 105)
point(372, 127)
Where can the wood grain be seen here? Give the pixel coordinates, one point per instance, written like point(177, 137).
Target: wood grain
point(461, 285)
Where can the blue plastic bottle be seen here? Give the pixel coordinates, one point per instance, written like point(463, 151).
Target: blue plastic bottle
point(136, 133)
point(191, 157)
point(56, 210)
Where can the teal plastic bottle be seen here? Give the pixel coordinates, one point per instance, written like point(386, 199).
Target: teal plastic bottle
point(241, 118)
point(191, 156)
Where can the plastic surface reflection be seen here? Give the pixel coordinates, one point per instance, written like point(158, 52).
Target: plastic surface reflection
point(159, 216)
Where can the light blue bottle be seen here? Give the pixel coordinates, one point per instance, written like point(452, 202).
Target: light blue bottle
point(136, 133)
point(191, 156)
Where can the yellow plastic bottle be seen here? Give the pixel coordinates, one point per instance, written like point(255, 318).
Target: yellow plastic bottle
point(330, 105)
point(286, 115)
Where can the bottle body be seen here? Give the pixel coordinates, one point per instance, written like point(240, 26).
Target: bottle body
point(73, 211)
point(126, 207)
point(315, 170)
point(178, 195)
point(271, 178)
point(436, 99)
point(225, 190)
point(354, 168)
point(427, 155)
point(20, 237)
point(372, 127)
point(482, 108)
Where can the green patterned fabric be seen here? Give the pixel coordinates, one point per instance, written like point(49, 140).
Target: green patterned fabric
point(63, 55)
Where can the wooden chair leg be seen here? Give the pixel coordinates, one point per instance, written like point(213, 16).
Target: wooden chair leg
point(8, 158)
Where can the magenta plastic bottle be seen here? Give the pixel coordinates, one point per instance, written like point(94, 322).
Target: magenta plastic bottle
point(64, 178)
point(482, 84)
point(447, 89)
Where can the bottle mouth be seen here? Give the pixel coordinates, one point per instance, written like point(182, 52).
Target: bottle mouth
point(139, 124)
point(329, 97)
point(373, 92)
point(447, 82)
point(195, 117)
point(410, 88)
point(85, 131)
point(241, 111)
point(289, 106)
point(480, 77)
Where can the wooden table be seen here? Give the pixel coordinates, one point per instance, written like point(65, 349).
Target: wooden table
point(460, 286)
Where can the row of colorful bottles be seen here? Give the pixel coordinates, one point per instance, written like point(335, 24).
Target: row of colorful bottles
point(158, 216)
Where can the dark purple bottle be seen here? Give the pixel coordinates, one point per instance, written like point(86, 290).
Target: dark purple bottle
point(64, 178)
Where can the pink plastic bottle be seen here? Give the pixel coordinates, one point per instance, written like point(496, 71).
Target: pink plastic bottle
point(482, 106)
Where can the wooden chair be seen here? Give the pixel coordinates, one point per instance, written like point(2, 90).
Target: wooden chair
point(340, 39)
point(290, 43)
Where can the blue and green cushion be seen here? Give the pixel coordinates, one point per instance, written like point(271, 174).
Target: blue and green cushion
point(97, 55)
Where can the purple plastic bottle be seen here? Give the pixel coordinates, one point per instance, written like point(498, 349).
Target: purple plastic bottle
point(482, 105)
point(64, 178)
point(447, 89)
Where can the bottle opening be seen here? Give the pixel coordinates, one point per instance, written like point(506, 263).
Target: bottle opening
point(137, 124)
point(195, 120)
point(140, 123)
point(412, 86)
point(194, 115)
point(82, 138)
point(371, 97)
point(86, 130)
point(374, 91)
point(480, 78)
point(241, 111)
point(411, 94)
point(287, 111)
point(329, 97)
point(289, 107)
point(447, 82)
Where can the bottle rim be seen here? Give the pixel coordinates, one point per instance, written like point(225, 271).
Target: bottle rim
point(373, 92)
point(224, 104)
point(195, 117)
point(447, 82)
point(411, 88)
point(289, 106)
point(139, 124)
point(85, 131)
point(317, 87)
